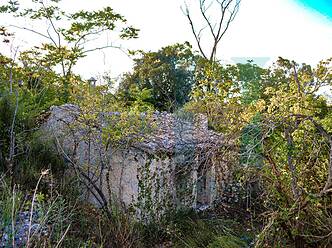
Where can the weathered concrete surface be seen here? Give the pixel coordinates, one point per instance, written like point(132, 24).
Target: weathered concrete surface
point(176, 145)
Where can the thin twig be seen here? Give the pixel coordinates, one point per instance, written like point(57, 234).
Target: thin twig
point(32, 206)
point(63, 236)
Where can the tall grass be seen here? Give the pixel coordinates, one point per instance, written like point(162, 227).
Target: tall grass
point(29, 216)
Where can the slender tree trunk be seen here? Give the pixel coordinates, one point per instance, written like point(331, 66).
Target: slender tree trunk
point(291, 166)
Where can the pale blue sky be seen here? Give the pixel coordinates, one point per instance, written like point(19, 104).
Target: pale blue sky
point(324, 7)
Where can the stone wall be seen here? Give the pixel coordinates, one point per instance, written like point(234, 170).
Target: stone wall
point(142, 176)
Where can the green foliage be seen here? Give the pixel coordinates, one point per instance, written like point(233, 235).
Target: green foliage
point(126, 127)
point(216, 94)
point(251, 148)
point(40, 155)
point(10, 203)
point(66, 44)
point(52, 212)
point(123, 231)
point(250, 78)
point(274, 118)
point(167, 74)
point(282, 126)
point(24, 96)
point(187, 228)
point(227, 242)
point(295, 148)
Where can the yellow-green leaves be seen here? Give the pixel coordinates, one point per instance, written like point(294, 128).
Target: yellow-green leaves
point(65, 35)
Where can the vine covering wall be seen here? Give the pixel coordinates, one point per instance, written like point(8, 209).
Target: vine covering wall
point(177, 163)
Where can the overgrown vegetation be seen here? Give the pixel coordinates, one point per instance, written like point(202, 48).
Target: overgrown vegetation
point(279, 124)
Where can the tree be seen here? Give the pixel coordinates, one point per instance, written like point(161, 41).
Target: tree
point(250, 79)
point(281, 127)
point(217, 94)
point(22, 101)
point(67, 36)
point(295, 124)
point(168, 74)
point(251, 82)
point(227, 11)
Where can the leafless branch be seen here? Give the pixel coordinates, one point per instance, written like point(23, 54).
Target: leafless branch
point(196, 35)
point(228, 10)
point(31, 30)
point(91, 186)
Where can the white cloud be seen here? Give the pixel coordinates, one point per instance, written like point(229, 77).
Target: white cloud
point(263, 28)
point(279, 28)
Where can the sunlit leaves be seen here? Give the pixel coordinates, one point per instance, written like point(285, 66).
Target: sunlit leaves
point(5, 34)
point(84, 22)
point(12, 6)
point(296, 151)
point(217, 95)
point(129, 33)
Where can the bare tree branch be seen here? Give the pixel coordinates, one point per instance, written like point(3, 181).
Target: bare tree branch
point(31, 30)
point(196, 35)
point(227, 13)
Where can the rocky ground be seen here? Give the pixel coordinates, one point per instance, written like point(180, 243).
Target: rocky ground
point(21, 229)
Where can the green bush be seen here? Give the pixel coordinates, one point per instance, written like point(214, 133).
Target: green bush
point(40, 155)
point(227, 242)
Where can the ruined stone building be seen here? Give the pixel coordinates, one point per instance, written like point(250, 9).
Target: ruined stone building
point(176, 163)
